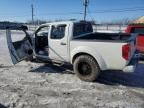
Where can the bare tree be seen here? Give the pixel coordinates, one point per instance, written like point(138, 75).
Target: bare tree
point(123, 21)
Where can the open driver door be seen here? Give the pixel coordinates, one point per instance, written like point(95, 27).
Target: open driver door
point(19, 49)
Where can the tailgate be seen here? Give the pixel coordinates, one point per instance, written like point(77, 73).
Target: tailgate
point(129, 48)
point(132, 44)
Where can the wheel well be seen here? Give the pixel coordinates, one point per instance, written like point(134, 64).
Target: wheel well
point(80, 54)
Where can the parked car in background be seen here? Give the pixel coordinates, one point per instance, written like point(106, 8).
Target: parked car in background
point(137, 28)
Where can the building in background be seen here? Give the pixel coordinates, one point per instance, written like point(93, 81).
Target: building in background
point(139, 20)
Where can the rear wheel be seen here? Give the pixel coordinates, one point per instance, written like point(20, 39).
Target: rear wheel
point(86, 68)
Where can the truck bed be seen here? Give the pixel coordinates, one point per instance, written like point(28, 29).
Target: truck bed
point(107, 45)
point(104, 36)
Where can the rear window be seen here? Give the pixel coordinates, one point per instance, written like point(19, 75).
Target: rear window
point(82, 28)
point(138, 30)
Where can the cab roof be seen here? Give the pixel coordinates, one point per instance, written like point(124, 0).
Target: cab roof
point(64, 22)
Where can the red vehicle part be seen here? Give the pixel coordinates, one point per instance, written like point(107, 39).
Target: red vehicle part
point(140, 39)
point(140, 43)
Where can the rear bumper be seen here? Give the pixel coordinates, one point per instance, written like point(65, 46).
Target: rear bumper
point(131, 67)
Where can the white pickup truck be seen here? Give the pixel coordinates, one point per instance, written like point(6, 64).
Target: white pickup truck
point(74, 42)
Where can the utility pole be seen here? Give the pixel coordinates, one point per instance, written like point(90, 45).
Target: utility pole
point(85, 3)
point(32, 9)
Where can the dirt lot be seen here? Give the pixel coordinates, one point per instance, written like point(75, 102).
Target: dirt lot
point(38, 85)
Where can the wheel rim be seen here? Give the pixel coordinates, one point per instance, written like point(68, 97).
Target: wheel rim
point(84, 68)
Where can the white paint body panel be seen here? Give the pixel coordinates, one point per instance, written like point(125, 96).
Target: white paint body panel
point(107, 54)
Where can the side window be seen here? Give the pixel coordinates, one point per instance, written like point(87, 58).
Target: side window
point(58, 32)
point(138, 30)
point(82, 28)
point(43, 31)
point(18, 37)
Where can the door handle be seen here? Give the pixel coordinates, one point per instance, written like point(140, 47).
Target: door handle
point(62, 43)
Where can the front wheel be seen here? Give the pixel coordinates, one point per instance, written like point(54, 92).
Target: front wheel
point(86, 68)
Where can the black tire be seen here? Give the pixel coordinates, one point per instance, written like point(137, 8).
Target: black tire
point(86, 68)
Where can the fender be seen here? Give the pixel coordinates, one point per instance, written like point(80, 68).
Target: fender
point(90, 51)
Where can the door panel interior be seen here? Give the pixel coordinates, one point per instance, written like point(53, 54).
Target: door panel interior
point(20, 48)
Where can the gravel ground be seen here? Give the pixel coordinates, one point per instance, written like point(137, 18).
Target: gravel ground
point(38, 85)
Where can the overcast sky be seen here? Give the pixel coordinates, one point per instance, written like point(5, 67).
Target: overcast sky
point(99, 10)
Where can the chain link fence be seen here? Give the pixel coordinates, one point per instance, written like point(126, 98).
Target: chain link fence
point(109, 28)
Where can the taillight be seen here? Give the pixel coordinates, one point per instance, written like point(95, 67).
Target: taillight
point(126, 51)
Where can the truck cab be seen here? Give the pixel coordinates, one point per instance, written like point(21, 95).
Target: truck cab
point(52, 40)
